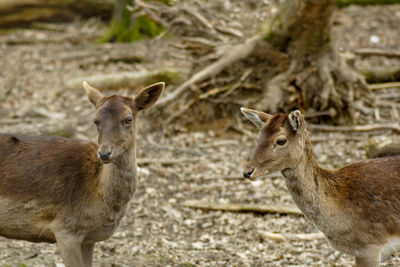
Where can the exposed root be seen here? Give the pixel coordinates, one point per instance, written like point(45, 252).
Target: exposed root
point(232, 55)
point(325, 84)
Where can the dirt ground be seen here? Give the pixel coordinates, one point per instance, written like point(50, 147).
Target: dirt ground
point(158, 230)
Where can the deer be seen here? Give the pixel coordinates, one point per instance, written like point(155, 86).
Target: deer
point(69, 191)
point(356, 207)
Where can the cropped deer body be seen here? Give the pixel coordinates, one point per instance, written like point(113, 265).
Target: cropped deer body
point(357, 206)
point(70, 191)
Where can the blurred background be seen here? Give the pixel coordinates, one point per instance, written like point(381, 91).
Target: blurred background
point(337, 61)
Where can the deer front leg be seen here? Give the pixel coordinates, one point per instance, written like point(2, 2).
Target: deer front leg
point(70, 249)
point(369, 257)
point(87, 254)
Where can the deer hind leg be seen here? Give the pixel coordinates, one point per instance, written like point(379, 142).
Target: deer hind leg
point(70, 249)
point(87, 254)
point(369, 256)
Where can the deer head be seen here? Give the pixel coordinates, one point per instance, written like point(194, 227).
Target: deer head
point(116, 118)
point(280, 142)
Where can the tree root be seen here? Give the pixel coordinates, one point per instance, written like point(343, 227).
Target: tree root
point(232, 55)
point(327, 83)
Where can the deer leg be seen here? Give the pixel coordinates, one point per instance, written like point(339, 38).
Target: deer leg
point(70, 248)
point(87, 254)
point(369, 257)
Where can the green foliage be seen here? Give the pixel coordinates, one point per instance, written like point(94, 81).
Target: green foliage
point(129, 28)
point(344, 3)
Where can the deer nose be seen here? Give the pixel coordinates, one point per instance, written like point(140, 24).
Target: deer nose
point(248, 173)
point(104, 156)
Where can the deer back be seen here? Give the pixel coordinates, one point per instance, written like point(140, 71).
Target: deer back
point(50, 170)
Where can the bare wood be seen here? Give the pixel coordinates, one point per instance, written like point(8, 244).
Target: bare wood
point(242, 79)
point(144, 161)
point(231, 55)
point(225, 177)
point(20, 12)
point(64, 128)
point(356, 128)
point(124, 79)
point(264, 208)
point(386, 103)
point(339, 138)
point(380, 74)
point(377, 86)
point(376, 52)
point(292, 237)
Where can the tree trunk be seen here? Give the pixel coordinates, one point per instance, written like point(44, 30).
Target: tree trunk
point(22, 12)
point(317, 77)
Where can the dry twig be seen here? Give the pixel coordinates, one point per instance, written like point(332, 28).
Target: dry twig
point(356, 128)
point(264, 208)
point(231, 55)
point(145, 161)
point(292, 237)
point(377, 86)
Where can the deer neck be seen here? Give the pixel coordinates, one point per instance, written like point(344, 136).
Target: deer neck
point(118, 179)
point(304, 182)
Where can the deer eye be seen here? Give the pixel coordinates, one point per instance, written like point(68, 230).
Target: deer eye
point(96, 122)
point(281, 142)
point(127, 121)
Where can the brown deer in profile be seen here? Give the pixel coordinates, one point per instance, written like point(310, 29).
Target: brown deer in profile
point(357, 206)
point(70, 191)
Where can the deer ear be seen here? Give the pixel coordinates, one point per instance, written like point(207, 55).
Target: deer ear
point(297, 121)
point(149, 95)
point(93, 94)
point(259, 118)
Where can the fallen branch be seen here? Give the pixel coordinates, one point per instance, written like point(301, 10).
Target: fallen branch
point(338, 138)
point(264, 208)
point(233, 54)
point(292, 237)
point(386, 103)
point(380, 74)
point(377, 86)
point(356, 128)
point(226, 177)
point(124, 79)
point(22, 12)
point(53, 39)
point(376, 52)
point(37, 127)
point(145, 161)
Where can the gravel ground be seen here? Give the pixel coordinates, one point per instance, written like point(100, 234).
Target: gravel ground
point(157, 229)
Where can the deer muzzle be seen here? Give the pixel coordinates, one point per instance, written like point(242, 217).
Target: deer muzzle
point(252, 173)
point(105, 155)
point(248, 172)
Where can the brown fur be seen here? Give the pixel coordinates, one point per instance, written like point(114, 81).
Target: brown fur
point(57, 190)
point(76, 168)
point(356, 206)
